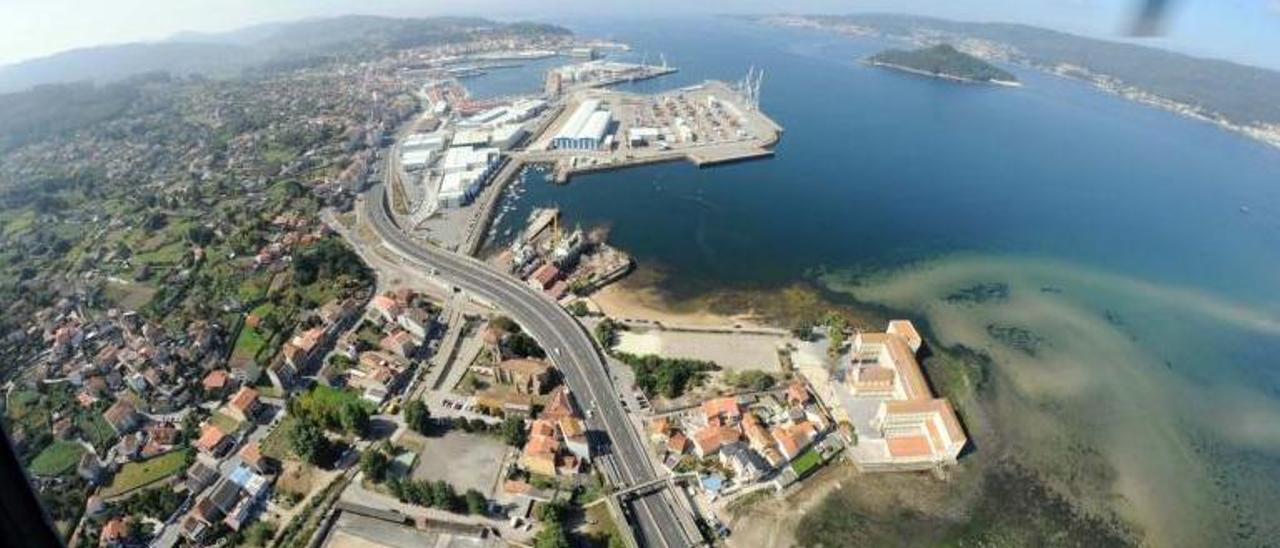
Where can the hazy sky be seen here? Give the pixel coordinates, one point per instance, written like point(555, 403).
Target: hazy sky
point(1242, 30)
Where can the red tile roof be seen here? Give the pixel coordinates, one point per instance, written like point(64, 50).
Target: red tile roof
point(210, 437)
point(244, 399)
point(215, 380)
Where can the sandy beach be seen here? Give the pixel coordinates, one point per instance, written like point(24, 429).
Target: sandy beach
point(632, 303)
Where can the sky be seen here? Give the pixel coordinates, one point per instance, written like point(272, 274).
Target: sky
point(1246, 31)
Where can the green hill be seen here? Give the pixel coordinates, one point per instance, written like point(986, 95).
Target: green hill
point(942, 60)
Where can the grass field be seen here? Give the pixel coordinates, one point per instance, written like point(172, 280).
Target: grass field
point(96, 430)
point(21, 402)
point(263, 310)
point(224, 422)
point(58, 458)
point(249, 343)
point(252, 288)
point(806, 462)
point(139, 474)
point(276, 444)
point(133, 295)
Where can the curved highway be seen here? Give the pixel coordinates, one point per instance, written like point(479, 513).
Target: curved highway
point(569, 346)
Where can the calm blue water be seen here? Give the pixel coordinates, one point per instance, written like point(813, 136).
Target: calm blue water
point(878, 167)
point(879, 171)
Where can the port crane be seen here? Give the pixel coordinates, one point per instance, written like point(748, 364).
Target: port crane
point(749, 87)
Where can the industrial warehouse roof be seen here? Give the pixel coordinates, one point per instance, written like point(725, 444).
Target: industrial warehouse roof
point(596, 126)
point(573, 127)
point(466, 158)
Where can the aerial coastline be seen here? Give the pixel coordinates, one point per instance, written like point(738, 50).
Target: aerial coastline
point(555, 262)
point(988, 44)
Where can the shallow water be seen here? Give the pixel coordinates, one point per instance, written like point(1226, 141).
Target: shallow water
point(1123, 365)
point(1142, 320)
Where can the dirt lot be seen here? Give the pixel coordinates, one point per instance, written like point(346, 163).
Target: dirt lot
point(771, 520)
point(467, 461)
point(732, 351)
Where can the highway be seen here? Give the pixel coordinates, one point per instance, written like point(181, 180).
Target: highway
point(566, 343)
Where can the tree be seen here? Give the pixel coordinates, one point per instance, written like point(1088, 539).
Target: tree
point(578, 308)
point(374, 464)
point(443, 496)
point(355, 418)
point(308, 442)
point(503, 323)
point(259, 533)
point(417, 416)
point(513, 431)
point(522, 345)
point(190, 427)
point(607, 332)
point(552, 534)
point(476, 502)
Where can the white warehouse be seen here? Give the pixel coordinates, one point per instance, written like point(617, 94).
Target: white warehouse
point(465, 171)
point(586, 128)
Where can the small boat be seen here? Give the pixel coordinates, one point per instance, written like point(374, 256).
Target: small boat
point(1244, 209)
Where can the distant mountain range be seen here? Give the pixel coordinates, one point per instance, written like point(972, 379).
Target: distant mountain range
point(1239, 97)
point(228, 53)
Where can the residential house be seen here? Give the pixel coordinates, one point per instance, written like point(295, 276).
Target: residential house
point(540, 449)
point(559, 405)
point(303, 348)
point(64, 428)
point(384, 308)
point(557, 442)
point(217, 383)
point(193, 528)
point(282, 374)
point(415, 321)
point(336, 312)
point(574, 434)
point(710, 439)
point(798, 394)
point(212, 441)
point(400, 343)
point(244, 406)
point(793, 439)
point(678, 443)
point(89, 467)
point(114, 533)
point(722, 411)
point(122, 417)
point(201, 473)
point(251, 456)
point(225, 494)
point(747, 466)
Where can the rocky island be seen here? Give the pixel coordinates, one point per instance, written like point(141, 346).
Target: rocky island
point(944, 61)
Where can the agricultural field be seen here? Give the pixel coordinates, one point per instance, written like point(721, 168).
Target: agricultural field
point(57, 459)
point(95, 430)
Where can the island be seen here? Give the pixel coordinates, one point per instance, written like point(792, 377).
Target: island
point(944, 61)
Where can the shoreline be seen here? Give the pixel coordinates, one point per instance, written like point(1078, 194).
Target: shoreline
point(1265, 133)
point(621, 302)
